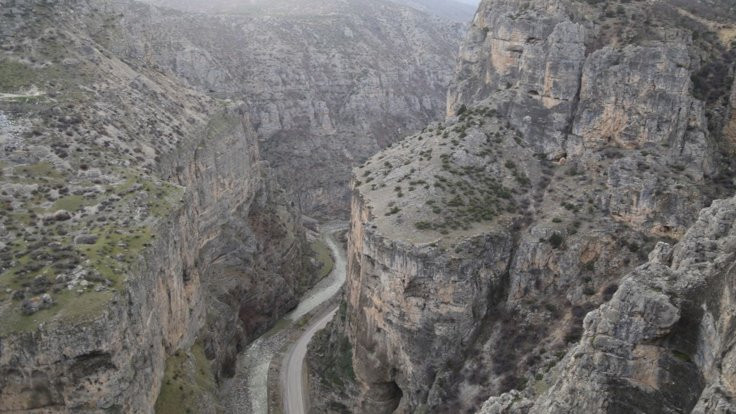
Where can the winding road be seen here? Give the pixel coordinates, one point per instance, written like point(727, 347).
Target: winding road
point(247, 391)
point(292, 374)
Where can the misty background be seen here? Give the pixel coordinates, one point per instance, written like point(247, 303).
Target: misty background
point(456, 10)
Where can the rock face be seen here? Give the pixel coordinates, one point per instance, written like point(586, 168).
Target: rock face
point(581, 137)
point(389, 286)
point(168, 229)
point(563, 96)
point(663, 343)
point(328, 83)
point(730, 128)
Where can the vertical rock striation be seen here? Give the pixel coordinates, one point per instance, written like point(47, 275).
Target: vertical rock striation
point(400, 293)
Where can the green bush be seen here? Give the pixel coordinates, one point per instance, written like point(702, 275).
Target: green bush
point(556, 240)
point(394, 210)
point(423, 225)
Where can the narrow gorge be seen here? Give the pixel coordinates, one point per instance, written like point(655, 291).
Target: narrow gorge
point(535, 199)
point(152, 210)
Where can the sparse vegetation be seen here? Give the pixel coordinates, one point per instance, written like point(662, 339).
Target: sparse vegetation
point(188, 376)
point(323, 257)
point(556, 240)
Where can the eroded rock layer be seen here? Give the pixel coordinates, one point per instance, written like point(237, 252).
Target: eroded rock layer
point(663, 343)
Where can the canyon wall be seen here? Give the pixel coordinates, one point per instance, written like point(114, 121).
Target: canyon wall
point(581, 136)
point(328, 83)
point(663, 343)
point(148, 219)
point(404, 294)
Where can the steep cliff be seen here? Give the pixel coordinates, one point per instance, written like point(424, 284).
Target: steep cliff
point(663, 343)
point(579, 136)
point(329, 83)
point(138, 218)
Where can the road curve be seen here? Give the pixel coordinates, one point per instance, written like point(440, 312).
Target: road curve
point(330, 285)
point(247, 391)
point(292, 373)
point(292, 370)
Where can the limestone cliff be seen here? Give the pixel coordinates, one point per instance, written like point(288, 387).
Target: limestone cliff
point(663, 343)
point(137, 219)
point(580, 135)
point(329, 83)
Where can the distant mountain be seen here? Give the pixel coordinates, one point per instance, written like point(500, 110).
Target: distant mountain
point(454, 10)
point(457, 10)
point(335, 79)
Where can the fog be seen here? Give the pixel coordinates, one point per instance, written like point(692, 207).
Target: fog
point(456, 10)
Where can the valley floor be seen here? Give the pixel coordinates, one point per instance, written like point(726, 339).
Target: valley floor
point(247, 391)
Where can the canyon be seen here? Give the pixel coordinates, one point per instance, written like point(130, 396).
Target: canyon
point(540, 199)
point(151, 228)
point(327, 83)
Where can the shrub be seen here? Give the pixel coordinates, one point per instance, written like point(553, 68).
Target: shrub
point(556, 240)
point(393, 211)
point(574, 334)
point(423, 225)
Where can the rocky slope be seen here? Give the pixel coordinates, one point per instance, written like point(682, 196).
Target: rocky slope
point(580, 135)
point(329, 83)
point(138, 219)
point(663, 343)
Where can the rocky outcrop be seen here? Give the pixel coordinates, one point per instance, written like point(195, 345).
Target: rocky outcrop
point(532, 59)
point(565, 160)
point(399, 293)
point(664, 342)
point(730, 128)
point(173, 229)
point(562, 96)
